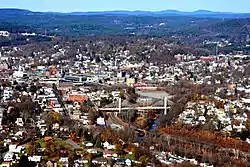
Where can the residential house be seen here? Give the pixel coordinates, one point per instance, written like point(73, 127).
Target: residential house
point(77, 98)
point(80, 162)
point(100, 160)
point(35, 159)
point(109, 154)
point(4, 33)
point(124, 162)
point(92, 151)
point(19, 122)
point(55, 126)
point(6, 164)
point(42, 126)
point(16, 149)
point(64, 161)
point(8, 156)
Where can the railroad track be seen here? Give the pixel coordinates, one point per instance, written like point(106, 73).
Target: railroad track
point(118, 121)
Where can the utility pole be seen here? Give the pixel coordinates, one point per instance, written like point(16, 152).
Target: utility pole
point(120, 105)
point(165, 105)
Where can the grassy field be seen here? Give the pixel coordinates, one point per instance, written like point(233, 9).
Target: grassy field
point(42, 143)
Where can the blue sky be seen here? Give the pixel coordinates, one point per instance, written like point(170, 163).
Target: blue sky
point(242, 6)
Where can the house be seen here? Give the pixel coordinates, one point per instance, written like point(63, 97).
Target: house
point(150, 165)
point(130, 82)
point(64, 129)
point(42, 126)
point(1, 112)
point(7, 141)
point(49, 164)
point(36, 159)
point(116, 94)
point(8, 157)
point(55, 126)
point(85, 119)
point(92, 151)
point(208, 58)
point(80, 162)
point(47, 138)
point(89, 144)
point(111, 147)
point(6, 164)
point(239, 128)
point(7, 93)
point(19, 122)
point(77, 98)
point(109, 154)
point(16, 149)
point(19, 133)
point(1, 127)
point(18, 74)
point(123, 161)
point(4, 33)
point(105, 144)
point(64, 161)
point(202, 119)
point(100, 161)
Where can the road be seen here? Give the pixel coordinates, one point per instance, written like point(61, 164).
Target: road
point(133, 108)
point(59, 98)
point(72, 143)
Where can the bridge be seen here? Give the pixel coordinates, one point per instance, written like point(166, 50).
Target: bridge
point(133, 108)
point(120, 108)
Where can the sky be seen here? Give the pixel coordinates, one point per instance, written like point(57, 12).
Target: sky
point(239, 6)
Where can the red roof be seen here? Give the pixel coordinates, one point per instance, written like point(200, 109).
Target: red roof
point(208, 58)
point(78, 98)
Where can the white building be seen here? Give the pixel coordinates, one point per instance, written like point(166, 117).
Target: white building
point(4, 33)
point(8, 157)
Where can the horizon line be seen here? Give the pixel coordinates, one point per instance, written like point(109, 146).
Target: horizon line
point(124, 10)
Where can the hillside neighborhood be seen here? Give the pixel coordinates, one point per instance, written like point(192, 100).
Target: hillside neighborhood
point(98, 109)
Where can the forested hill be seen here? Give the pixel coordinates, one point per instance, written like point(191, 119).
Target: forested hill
point(198, 13)
point(162, 23)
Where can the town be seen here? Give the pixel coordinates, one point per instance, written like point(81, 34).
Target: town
point(140, 83)
point(93, 103)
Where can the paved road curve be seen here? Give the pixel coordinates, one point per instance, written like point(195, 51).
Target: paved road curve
point(72, 143)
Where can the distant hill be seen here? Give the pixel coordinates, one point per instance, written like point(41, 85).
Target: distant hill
point(169, 22)
point(232, 27)
point(14, 11)
point(199, 13)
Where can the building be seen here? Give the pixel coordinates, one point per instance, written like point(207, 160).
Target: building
point(77, 98)
point(131, 82)
point(4, 33)
point(208, 58)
